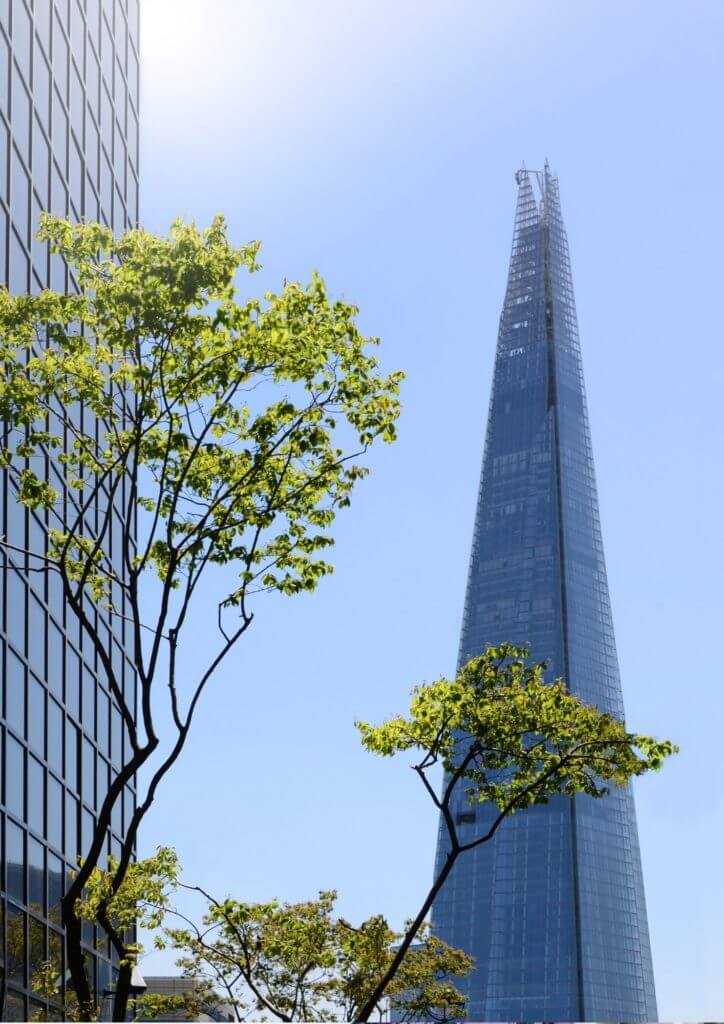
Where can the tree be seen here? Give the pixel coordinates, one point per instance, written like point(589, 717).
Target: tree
point(299, 962)
point(511, 740)
point(141, 901)
point(159, 429)
point(287, 961)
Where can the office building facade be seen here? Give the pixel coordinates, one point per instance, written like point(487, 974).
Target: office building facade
point(69, 84)
point(553, 908)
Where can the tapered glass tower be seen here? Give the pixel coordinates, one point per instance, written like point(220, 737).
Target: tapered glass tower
point(553, 908)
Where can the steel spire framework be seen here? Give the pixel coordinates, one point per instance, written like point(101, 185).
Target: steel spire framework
point(553, 908)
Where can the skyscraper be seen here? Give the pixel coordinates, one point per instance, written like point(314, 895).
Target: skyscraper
point(68, 143)
point(553, 908)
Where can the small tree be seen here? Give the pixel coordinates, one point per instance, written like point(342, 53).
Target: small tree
point(233, 427)
point(298, 962)
point(287, 961)
point(511, 740)
point(141, 901)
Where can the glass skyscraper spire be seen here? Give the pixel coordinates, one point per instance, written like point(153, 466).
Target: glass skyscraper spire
point(553, 908)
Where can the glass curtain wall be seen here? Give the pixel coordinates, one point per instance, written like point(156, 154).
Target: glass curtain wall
point(69, 81)
point(553, 908)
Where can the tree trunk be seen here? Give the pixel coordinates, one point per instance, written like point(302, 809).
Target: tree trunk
point(75, 958)
point(123, 993)
point(367, 1010)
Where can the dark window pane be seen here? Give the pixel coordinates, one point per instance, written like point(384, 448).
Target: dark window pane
point(55, 886)
point(89, 704)
point(15, 838)
point(36, 715)
point(55, 661)
point(103, 710)
point(15, 777)
point(15, 608)
point(15, 689)
point(36, 876)
point(101, 781)
point(55, 812)
point(36, 946)
point(36, 795)
point(88, 765)
point(55, 737)
point(71, 827)
point(71, 756)
point(36, 635)
point(72, 683)
point(87, 828)
point(14, 1003)
point(116, 734)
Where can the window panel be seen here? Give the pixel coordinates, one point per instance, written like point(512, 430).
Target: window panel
point(15, 692)
point(77, 103)
point(20, 197)
point(38, 249)
point(43, 14)
point(88, 766)
point(36, 715)
point(87, 828)
point(19, 266)
point(60, 132)
point(55, 813)
point(89, 703)
point(60, 57)
point(36, 635)
point(15, 947)
point(36, 795)
point(55, 657)
point(41, 165)
point(103, 711)
point(20, 118)
point(4, 63)
point(36, 946)
point(55, 737)
point(41, 88)
point(3, 234)
point(36, 876)
point(71, 845)
point(93, 82)
point(55, 886)
point(72, 683)
point(76, 177)
point(15, 881)
point(22, 36)
point(71, 756)
point(77, 32)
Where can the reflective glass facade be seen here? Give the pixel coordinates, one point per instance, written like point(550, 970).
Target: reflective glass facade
point(553, 908)
point(68, 143)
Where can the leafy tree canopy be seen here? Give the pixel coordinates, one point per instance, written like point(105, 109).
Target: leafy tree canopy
point(298, 961)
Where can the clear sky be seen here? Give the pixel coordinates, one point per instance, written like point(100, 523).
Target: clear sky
point(377, 142)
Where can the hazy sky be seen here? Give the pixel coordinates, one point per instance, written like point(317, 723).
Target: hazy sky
point(377, 142)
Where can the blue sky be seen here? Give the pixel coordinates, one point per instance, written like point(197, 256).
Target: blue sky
point(377, 143)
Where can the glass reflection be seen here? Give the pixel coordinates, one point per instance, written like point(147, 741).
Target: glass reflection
point(36, 876)
point(15, 866)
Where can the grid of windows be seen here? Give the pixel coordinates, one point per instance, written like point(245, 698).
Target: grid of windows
point(553, 909)
point(69, 83)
